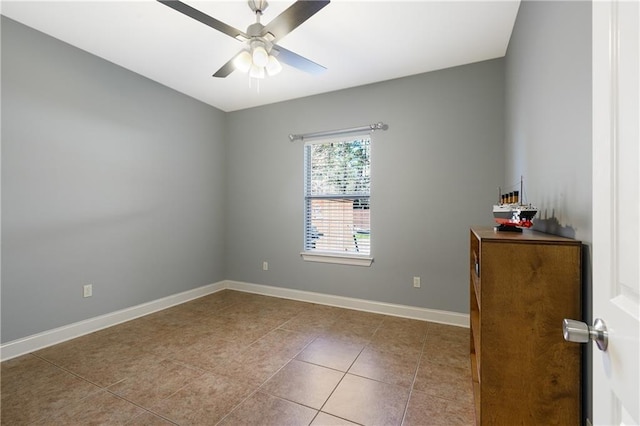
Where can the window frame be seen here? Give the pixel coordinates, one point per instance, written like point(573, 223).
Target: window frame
point(327, 256)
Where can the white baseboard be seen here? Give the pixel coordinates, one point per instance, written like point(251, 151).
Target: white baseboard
point(432, 315)
point(61, 334)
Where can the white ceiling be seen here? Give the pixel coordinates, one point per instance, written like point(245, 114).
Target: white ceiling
point(360, 42)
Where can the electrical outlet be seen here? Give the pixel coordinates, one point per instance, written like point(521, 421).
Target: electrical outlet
point(416, 282)
point(265, 266)
point(87, 290)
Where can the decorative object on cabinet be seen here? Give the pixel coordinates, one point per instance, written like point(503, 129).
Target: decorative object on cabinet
point(511, 213)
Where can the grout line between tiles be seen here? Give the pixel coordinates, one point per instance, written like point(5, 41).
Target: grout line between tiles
point(66, 370)
point(265, 381)
point(100, 389)
point(415, 375)
point(345, 375)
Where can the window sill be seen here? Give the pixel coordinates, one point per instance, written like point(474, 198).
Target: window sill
point(336, 258)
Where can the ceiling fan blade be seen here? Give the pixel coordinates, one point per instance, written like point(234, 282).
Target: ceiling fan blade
point(293, 59)
point(226, 69)
point(292, 17)
point(204, 18)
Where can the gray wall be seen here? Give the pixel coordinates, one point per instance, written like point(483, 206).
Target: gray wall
point(107, 178)
point(548, 125)
point(434, 174)
point(548, 113)
point(111, 179)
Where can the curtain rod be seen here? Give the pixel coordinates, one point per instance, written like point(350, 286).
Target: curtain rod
point(369, 127)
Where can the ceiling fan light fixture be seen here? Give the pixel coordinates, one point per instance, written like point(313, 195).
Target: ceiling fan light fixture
point(243, 61)
point(273, 66)
point(260, 56)
point(256, 72)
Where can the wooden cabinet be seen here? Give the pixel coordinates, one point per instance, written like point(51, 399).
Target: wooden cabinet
point(522, 286)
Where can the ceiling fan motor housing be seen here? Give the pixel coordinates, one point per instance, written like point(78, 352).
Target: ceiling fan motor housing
point(255, 30)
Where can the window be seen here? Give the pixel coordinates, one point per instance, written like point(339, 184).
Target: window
point(336, 195)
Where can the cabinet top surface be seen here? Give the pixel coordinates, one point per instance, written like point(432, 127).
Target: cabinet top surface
point(488, 233)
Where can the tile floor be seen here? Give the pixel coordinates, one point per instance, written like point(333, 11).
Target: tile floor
point(235, 358)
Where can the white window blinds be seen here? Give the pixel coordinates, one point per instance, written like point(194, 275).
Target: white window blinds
point(337, 191)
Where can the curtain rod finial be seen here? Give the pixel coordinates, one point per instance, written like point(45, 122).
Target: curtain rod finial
point(378, 126)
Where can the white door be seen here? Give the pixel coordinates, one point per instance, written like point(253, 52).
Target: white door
point(616, 209)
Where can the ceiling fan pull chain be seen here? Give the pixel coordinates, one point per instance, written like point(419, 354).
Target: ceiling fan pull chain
point(257, 80)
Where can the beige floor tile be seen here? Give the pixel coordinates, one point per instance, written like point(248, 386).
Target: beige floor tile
point(395, 343)
point(177, 316)
point(267, 410)
point(247, 329)
point(334, 353)
point(404, 324)
point(148, 419)
point(367, 401)
point(203, 401)
point(400, 334)
point(444, 381)
point(209, 352)
point(304, 383)
point(426, 410)
point(279, 310)
point(461, 414)
point(155, 382)
point(324, 419)
point(175, 341)
point(134, 332)
point(214, 302)
point(33, 389)
point(448, 352)
point(360, 317)
point(355, 325)
point(388, 367)
point(98, 360)
point(102, 408)
point(356, 332)
point(314, 320)
point(448, 333)
point(281, 342)
point(94, 344)
point(253, 368)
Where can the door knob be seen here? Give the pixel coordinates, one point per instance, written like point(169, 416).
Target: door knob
point(580, 332)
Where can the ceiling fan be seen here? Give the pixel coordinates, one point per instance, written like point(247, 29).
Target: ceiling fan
point(261, 55)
